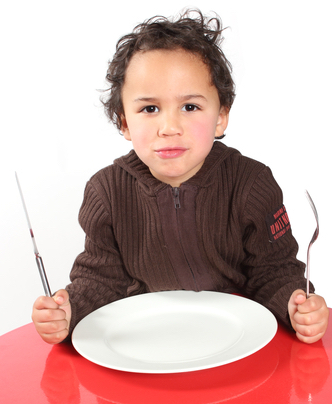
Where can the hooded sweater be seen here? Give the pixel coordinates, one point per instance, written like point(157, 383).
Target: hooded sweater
point(225, 229)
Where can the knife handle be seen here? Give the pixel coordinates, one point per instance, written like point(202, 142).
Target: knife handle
point(43, 276)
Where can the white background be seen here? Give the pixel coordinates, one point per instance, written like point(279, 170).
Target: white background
point(54, 133)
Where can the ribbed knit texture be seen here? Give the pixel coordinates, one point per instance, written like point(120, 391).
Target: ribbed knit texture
point(137, 242)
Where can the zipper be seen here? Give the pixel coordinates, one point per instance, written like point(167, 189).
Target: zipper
point(176, 197)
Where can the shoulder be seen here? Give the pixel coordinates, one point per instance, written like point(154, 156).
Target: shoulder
point(236, 159)
point(98, 192)
point(107, 187)
point(235, 166)
point(252, 180)
point(106, 178)
point(225, 155)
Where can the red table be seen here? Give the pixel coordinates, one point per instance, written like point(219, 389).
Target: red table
point(285, 371)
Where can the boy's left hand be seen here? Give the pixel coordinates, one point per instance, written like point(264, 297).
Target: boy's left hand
point(309, 317)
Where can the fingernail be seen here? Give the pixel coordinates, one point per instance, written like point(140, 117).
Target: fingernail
point(59, 300)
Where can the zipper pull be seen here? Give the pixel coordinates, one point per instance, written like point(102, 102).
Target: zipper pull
point(176, 192)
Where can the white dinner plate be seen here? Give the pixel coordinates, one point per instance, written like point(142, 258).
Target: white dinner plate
point(176, 331)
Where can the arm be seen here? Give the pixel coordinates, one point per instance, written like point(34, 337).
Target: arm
point(271, 266)
point(98, 275)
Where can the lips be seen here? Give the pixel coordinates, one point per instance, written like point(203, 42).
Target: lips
point(171, 152)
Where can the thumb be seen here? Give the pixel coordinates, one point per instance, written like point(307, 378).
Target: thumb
point(61, 297)
point(298, 297)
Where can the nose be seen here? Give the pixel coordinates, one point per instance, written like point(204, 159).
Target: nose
point(170, 124)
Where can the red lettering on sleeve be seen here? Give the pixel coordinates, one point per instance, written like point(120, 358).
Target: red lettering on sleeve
point(277, 223)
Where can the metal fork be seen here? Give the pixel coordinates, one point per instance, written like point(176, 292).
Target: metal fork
point(313, 239)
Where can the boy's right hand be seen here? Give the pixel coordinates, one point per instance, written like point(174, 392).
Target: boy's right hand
point(51, 316)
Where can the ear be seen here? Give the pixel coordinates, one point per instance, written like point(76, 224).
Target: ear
point(124, 128)
point(222, 121)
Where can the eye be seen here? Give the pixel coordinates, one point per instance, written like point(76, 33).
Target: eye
point(190, 108)
point(150, 109)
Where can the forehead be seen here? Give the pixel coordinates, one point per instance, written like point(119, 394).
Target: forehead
point(164, 69)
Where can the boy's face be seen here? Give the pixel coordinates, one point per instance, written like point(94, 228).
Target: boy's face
point(171, 113)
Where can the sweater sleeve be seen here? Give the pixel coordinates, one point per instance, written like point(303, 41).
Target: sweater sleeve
point(273, 272)
point(98, 275)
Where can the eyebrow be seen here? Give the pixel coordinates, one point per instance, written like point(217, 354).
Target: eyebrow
point(180, 98)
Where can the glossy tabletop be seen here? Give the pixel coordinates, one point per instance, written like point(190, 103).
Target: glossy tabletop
point(285, 371)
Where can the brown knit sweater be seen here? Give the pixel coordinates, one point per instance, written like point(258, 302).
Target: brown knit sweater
point(224, 230)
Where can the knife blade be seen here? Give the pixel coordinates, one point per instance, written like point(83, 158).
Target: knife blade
point(39, 260)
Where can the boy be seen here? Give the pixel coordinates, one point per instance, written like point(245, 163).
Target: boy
point(180, 211)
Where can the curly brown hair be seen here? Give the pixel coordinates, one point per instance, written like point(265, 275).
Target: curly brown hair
point(200, 35)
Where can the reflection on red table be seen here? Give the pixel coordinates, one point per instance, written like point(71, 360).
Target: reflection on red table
point(285, 371)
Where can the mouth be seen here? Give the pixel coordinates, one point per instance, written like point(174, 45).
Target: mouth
point(170, 152)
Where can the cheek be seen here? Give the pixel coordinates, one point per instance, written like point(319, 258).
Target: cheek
point(138, 133)
point(202, 129)
point(138, 142)
point(141, 142)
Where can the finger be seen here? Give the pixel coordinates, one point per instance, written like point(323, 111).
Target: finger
point(55, 338)
point(61, 297)
point(309, 318)
point(310, 329)
point(45, 302)
point(299, 297)
point(312, 332)
point(52, 327)
point(309, 340)
point(312, 304)
point(47, 315)
point(317, 318)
